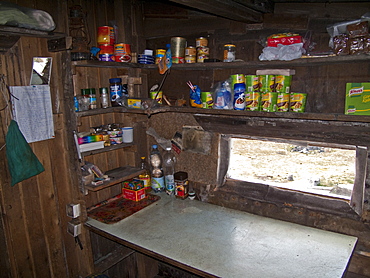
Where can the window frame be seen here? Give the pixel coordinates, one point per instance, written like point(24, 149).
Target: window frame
point(265, 192)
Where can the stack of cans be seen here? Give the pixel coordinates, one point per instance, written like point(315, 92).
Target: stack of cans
point(202, 49)
point(106, 40)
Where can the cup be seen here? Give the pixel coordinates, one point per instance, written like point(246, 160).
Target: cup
point(128, 134)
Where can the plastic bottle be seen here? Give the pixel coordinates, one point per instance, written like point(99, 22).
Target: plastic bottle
point(169, 161)
point(157, 182)
point(145, 176)
point(104, 97)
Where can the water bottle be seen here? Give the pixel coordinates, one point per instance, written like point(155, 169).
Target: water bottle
point(145, 176)
point(157, 182)
point(169, 161)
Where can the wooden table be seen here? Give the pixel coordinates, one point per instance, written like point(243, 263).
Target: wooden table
point(213, 241)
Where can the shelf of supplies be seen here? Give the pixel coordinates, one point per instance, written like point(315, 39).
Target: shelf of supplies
point(302, 62)
point(122, 174)
point(107, 149)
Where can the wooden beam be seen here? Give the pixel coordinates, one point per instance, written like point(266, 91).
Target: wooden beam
point(225, 8)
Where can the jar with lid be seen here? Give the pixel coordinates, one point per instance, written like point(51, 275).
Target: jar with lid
point(181, 185)
point(115, 86)
point(92, 97)
point(229, 52)
point(84, 100)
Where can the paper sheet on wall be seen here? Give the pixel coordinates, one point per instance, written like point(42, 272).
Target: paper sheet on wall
point(32, 111)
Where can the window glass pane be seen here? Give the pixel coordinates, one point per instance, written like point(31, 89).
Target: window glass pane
point(319, 170)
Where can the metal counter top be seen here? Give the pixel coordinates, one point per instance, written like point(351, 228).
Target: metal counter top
point(213, 241)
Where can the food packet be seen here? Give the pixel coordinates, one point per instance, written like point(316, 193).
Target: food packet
point(195, 100)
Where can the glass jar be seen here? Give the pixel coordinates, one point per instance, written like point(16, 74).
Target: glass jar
point(229, 52)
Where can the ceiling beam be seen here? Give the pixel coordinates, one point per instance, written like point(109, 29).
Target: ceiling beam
point(226, 8)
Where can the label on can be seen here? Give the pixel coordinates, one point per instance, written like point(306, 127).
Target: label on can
point(298, 102)
point(229, 52)
point(268, 101)
point(267, 83)
point(239, 96)
point(207, 101)
point(115, 92)
point(201, 58)
point(157, 96)
point(106, 49)
point(190, 51)
point(252, 83)
point(201, 41)
point(282, 83)
point(282, 103)
point(178, 60)
point(190, 59)
point(122, 48)
point(106, 35)
point(106, 57)
point(252, 101)
point(203, 50)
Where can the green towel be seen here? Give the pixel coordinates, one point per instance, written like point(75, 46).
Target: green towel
point(22, 162)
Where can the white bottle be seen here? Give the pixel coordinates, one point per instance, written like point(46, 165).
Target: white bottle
point(157, 182)
point(169, 162)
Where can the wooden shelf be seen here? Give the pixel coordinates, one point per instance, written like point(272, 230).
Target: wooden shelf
point(107, 149)
point(124, 173)
point(302, 62)
point(117, 255)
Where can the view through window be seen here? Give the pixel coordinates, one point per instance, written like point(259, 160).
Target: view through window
point(314, 169)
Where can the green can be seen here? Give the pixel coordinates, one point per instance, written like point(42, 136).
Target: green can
point(267, 83)
point(252, 101)
point(282, 104)
point(252, 83)
point(269, 101)
point(298, 102)
point(207, 100)
point(282, 83)
point(237, 78)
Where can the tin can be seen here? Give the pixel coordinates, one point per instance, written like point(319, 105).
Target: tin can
point(157, 96)
point(239, 96)
point(237, 78)
point(297, 102)
point(201, 58)
point(190, 51)
point(106, 57)
point(267, 83)
point(229, 52)
point(282, 83)
point(122, 52)
point(268, 101)
point(207, 100)
point(252, 101)
point(190, 59)
point(115, 88)
point(252, 83)
point(115, 137)
point(181, 185)
point(106, 35)
point(203, 50)
point(282, 103)
point(106, 49)
point(159, 54)
point(178, 45)
point(201, 41)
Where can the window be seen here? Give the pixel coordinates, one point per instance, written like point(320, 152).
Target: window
point(331, 170)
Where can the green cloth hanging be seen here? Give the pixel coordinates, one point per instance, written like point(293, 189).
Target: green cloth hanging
point(22, 162)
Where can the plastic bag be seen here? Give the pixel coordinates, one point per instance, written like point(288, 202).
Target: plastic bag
point(283, 52)
point(195, 100)
point(22, 162)
point(223, 98)
point(13, 15)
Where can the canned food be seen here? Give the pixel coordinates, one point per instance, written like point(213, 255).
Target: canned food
point(207, 100)
point(252, 83)
point(201, 42)
point(268, 101)
point(252, 101)
point(282, 83)
point(229, 52)
point(181, 185)
point(203, 50)
point(201, 58)
point(106, 49)
point(190, 59)
point(122, 52)
point(190, 51)
point(159, 54)
point(106, 35)
point(178, 50)
point(115, 137)
point(267, 83)
point(106, 57)
point(239, 96)
point(282, 103)
point(298, 102)
point(157, 96)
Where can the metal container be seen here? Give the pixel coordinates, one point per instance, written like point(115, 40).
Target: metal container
point(178, 45)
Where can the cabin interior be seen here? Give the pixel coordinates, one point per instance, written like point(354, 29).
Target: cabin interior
point(34, 241)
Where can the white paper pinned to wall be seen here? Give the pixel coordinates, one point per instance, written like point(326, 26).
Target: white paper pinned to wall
point(32, 110)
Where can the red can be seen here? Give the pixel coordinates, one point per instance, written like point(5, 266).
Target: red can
point(106, 49)
point(122, 52)
point(106, 35)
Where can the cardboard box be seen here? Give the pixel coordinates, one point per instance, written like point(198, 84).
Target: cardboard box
point(134, 195)
point(284, 41)
point(357, 99)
